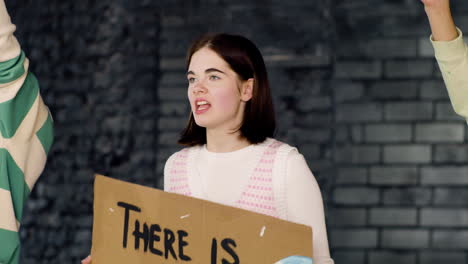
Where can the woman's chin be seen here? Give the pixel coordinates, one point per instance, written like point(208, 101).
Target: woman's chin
point(201, 123)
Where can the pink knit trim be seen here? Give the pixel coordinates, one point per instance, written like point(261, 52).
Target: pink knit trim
point(258, 195)
point(178, 182)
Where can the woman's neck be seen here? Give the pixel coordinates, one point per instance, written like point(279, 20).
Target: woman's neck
point(222, 141)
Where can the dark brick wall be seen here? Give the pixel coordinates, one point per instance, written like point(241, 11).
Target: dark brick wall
point(355, 88)
point(400, 153)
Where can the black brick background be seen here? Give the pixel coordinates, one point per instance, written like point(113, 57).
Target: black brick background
point(355, 88)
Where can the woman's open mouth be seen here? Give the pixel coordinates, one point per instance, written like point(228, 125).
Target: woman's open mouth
point(201, 106)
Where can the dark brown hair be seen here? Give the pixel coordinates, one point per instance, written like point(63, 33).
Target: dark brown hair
point(246, 60)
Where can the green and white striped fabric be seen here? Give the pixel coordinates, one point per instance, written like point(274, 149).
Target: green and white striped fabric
point(26, 135)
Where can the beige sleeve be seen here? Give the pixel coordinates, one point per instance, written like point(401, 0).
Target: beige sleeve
point(9, 49)
point(305, 204)
point(9, 46)
point(452, 57)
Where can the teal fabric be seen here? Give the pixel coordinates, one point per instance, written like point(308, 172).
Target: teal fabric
point(11, 70)
point(12, 179)
point(10, 247)
point(295, 260)
point(12, 112)
point(46, 134)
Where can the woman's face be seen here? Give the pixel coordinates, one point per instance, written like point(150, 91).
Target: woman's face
point(217, 96)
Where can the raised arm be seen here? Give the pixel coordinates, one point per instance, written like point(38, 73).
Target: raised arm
point(25, 136)
point(440, 19)
point(450, 51)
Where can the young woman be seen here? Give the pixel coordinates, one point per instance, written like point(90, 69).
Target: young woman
point(450, 51)
point(25, 136)
point(231, 157)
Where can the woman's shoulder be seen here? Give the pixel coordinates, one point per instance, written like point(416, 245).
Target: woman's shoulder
point(175, 161)
point(283, 148)
point(289, 154)
point(182, 153)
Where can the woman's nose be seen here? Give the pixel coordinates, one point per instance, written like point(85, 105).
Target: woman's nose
point(198, 88)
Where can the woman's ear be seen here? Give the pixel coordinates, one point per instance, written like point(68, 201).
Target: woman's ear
point(247, 90)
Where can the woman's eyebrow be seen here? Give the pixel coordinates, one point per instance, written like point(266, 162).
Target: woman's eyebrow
point(214, 70)
point(207, 71)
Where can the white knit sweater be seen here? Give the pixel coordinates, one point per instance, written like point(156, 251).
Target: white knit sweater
point(221, 177)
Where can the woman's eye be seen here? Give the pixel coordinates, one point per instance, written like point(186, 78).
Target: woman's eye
point(191, 80)
point(214, 78)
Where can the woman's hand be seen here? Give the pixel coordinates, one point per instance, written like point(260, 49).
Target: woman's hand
point(87, 260)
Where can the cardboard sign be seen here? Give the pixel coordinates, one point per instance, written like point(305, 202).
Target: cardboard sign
point(137, 224)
